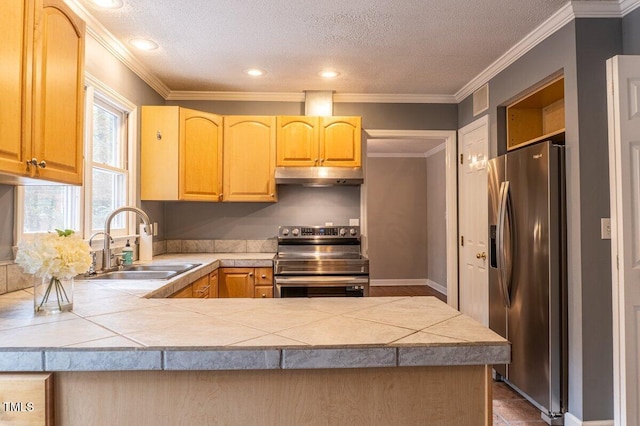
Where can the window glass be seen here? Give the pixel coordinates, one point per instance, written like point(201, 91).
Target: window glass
point(106, 136)
point(109, 193)
point(109, 173)
point(51, 207)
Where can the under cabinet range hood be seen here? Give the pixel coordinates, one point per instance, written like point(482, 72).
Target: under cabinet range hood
point(319, 176)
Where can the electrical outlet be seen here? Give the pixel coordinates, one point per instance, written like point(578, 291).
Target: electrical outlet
point(605, 228)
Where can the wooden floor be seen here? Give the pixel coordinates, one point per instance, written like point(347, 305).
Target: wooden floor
point(509, 408)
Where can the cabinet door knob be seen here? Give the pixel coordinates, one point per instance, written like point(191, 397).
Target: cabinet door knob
point(250, 274)
point(263, 276)
point(264, 296)
point(482, 256)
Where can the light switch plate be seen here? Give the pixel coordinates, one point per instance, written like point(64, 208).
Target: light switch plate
point(605, 228)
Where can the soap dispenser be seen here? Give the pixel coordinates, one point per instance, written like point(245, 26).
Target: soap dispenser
point(127, 254)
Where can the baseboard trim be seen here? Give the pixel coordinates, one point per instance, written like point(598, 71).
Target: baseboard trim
point(409, 282)
point(571, 420)
point(438, 287)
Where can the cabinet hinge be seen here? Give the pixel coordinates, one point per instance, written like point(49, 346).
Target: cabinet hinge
point(462, 240)
point(461, 158)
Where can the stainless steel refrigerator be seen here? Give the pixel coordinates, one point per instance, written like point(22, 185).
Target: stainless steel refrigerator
point(527, 274)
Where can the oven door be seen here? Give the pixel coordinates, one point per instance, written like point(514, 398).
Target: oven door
point(322, 286)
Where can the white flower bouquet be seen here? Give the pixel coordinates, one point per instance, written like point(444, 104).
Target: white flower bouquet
point(54, 257)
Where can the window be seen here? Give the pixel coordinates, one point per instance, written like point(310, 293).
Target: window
point(109, 174)
point(107, 183)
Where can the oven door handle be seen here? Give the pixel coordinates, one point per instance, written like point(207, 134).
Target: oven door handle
point(331, 281)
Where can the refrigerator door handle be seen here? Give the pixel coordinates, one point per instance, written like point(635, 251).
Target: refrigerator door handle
point(504, 261)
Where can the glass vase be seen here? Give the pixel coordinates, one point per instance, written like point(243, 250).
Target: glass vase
point(52, 295)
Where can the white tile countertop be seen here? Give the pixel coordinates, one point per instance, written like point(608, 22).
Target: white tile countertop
point(127, 325)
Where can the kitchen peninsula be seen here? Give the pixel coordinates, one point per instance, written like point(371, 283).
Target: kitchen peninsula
point(124, 356)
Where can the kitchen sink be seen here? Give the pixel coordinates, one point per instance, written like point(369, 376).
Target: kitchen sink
point(182, 267)
point(147, 272)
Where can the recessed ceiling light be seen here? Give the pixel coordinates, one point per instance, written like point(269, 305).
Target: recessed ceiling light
point(255, 72)
point(143, 44)
point(328, 74)
point(108, 4)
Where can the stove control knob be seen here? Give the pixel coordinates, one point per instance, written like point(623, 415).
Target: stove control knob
point(343, 232)
point(295, 232)
point(353, 231)
point(285, 231)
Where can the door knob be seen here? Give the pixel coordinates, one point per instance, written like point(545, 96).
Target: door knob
point(482, 256)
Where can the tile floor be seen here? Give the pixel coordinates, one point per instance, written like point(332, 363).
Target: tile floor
point(510, 409)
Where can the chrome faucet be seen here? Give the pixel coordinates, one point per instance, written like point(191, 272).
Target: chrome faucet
point(92, 268)
point(148, 228)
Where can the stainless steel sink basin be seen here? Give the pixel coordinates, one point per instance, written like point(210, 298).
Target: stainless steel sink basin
point(181, 267)
point(147, 272)
point(136, 275)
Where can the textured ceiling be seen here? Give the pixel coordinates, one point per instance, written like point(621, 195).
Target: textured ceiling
point(431, 47)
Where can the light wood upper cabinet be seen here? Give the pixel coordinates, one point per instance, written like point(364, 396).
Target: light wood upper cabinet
point(181, 154)
point(298, 141)
point(249, 158)
point(41, 79)
point(319, 141)
point(16, 32)
point(340, 141)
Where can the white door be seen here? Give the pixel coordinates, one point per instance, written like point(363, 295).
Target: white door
point(623, 75)
point(473, 150)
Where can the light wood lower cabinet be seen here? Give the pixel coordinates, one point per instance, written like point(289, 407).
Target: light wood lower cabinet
point(203, 288)
point(246, 282)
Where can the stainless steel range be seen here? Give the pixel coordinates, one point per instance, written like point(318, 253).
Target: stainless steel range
point(320, 261)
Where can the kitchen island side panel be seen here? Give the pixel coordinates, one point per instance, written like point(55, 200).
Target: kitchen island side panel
point(456, 395)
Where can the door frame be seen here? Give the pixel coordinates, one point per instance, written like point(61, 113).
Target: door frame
point(451, 190)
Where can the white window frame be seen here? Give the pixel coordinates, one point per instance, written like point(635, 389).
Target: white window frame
point(95, 89)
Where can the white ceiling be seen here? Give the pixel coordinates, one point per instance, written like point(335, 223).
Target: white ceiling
point(428, 47)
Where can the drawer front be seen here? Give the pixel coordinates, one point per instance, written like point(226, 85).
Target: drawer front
point(264, 276)
point(263, 291)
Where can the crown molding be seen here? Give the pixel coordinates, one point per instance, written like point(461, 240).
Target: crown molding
point(98, 32)
point(185, 95)
point(182, 95)
point(550, 26)
point(628, 6)
point(381, 98)
point(596, 9)
point(570, 11)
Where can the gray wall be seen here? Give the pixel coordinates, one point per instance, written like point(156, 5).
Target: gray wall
point(579, 50)
point(631, 33)
point(397, 218)
point(597, 41)
point(6, 222)
point(297, 205)
point(436, 218)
